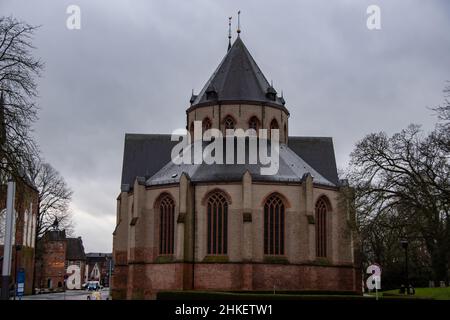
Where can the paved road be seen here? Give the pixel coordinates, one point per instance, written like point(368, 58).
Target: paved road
point(68, 295)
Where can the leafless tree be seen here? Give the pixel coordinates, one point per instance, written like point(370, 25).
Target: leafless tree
point(54, 198)
point(402, 188)
point(18, 89)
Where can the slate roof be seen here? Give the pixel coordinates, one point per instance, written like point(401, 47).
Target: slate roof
point(319, 152)
point(238, 79)
point(149, 156)
point(75, 249)
point(291, 168)
point(144, 155)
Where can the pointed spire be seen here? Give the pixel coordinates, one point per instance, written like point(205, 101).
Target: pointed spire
point(229, 33)
point(239, 23)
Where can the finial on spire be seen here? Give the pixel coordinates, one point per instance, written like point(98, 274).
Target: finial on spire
point(229, 33)
point(239, 23)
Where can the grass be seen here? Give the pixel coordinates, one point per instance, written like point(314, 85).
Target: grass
point(421, 294)
point(427, 293)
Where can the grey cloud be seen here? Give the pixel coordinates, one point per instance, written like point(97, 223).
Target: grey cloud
point(133, 64)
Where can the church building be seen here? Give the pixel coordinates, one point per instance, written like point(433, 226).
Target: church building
point(227, 227)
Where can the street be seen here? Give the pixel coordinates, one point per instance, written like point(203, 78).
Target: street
point(68, 295)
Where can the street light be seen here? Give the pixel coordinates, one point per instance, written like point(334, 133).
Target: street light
point(404, 244)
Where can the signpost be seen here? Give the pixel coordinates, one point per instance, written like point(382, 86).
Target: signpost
point(20, 283)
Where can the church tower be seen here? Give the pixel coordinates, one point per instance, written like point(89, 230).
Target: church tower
point(238, 95)
point(228, 226)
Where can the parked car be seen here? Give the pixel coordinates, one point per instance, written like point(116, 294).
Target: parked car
point(93, 286)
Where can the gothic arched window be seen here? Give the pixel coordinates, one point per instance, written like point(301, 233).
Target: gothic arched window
point(274, 225)
point(273, 126)
point(166, 224)
point(321, 227)
point(217, 210)
point(253, 123)
point(206, 125)
point(229, 123)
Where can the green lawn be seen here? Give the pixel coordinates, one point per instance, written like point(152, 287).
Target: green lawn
point(430, 293)
point(421, 293)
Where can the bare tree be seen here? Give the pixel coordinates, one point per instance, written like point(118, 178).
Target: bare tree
point(18, 71)
point(54, 198)
point(403, 190)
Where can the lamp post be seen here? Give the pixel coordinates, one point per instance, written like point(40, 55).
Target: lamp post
point(404, 244)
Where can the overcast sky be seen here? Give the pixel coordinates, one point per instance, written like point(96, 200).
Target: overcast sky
point(133, 64)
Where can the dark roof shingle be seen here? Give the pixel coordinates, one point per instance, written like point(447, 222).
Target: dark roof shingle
point(146, 155)
point(75, 249)
point(238, 79)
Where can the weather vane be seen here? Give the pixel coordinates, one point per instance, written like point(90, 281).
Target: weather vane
point(229, 33)
point(239, 23)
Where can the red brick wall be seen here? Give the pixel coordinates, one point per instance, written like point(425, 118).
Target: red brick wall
point(142, 281)
point(53, 264)
point(26, 256)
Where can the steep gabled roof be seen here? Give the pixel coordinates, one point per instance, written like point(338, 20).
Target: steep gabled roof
point(144, 155)
point(291, 168)
point(319, 153)
point(238, 79)
point(75, 249)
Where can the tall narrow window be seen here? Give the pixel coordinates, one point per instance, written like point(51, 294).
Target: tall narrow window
point(321, 227)
point(206, 125)
point(253, 123)
point(166, 225)
point(274, 226)
point(217, 224)
point(273, 126)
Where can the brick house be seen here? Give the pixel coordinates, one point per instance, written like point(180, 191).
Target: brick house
point(56, 253)
point(98, 267)
point(227, 226)
point(26, 207)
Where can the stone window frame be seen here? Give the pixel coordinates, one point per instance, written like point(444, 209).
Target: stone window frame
point(217, 234)
point(166, 224)
point(274, 242)
point(322, 210)
point(206, 124)
point(254, 123)
point(227, 121)
point(273, 125)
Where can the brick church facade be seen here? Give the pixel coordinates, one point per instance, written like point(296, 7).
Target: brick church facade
point(226, 226)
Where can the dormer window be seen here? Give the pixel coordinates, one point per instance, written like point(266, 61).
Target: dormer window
point(211, 93)
point(271, 93)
